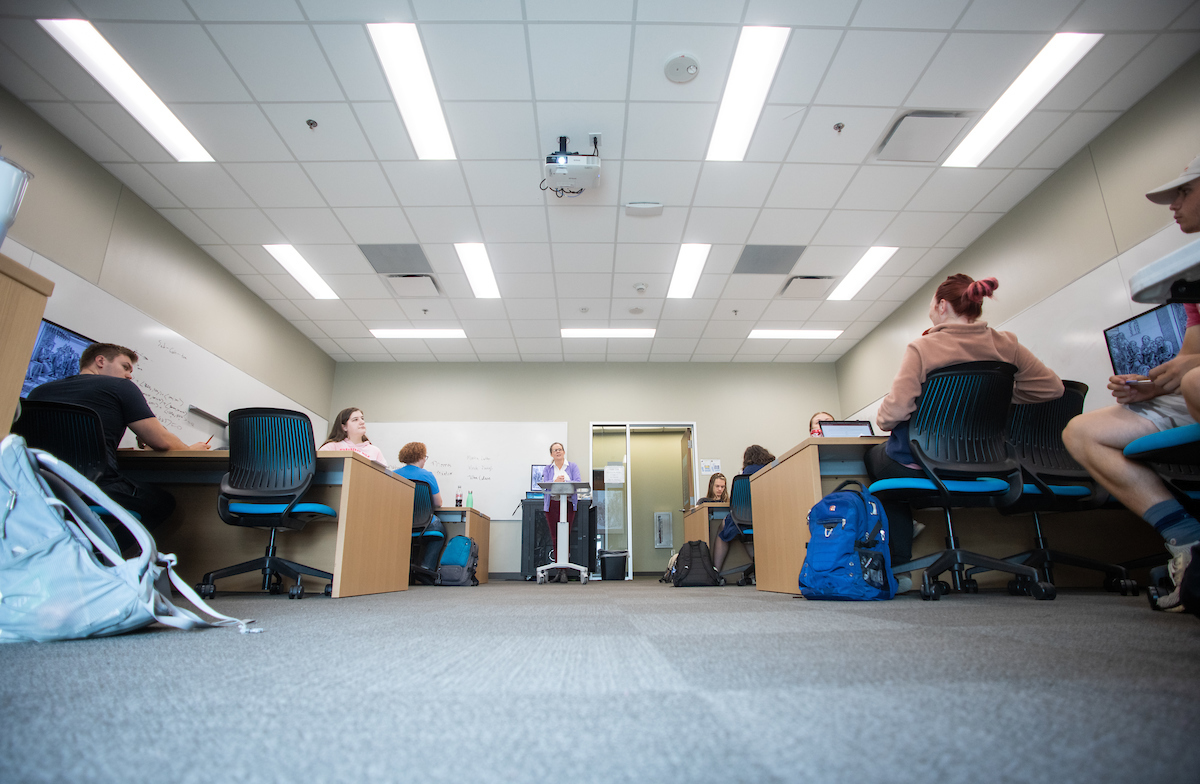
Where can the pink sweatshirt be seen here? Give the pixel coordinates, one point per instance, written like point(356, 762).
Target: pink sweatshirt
point(951, 344)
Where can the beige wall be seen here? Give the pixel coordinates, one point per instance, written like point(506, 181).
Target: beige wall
point(1081, 217)
point(81, 217)
point(733, 405)
point(657, 483)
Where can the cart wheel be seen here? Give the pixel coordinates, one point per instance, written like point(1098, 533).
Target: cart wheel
point(296, 592)
point(206, 590)
point(329, 589)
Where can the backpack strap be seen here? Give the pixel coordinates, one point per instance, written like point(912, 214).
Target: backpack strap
point(862, 489)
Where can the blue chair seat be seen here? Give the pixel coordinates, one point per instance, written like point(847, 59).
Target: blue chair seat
point(435, 534)
point(102, 512)
point(1177, 445)
point(277, 509)
point(1072, 491)
point(982, 485)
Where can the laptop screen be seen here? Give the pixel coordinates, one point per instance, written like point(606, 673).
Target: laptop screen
point(849, 429)
point(55, 355)
point(535, 476)
point(1147, 340)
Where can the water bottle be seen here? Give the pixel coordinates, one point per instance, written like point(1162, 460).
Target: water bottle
point(458, 497)
point(470, 499)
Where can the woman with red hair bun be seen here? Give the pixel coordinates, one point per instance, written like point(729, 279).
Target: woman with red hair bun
point(957, 336)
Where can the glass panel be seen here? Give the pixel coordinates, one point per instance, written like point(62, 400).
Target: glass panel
point(608, 450)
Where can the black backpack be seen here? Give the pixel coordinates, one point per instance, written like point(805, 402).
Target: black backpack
point(694, 566)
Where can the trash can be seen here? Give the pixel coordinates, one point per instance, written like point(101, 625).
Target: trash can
point(612, 564)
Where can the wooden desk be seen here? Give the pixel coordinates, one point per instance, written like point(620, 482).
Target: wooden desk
point(478, 526)
point(367, 550)
point(783, 492)
point(697, 521)
point(23, 295)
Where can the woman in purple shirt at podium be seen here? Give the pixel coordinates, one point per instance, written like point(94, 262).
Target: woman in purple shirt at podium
point(561, 470)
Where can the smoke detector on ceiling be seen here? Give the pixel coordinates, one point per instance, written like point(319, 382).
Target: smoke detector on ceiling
point(682, 68)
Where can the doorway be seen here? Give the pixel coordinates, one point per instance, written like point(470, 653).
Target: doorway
point(643, 477)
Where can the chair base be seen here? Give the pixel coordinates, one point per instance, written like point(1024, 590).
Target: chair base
point(273, 569)
point(1043, 559)
point(745, 570)
point(955, 560)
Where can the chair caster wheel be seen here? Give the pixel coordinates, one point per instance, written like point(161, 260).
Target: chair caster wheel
point(970, 586)
point(930, 593)
point(1152, 594)
point(296, 592)
point(942, 587)
point(1015, 588)
point(1133, 588)
point(275, 585)
point(1043, 591)
point(583, 578)
point(741, 582)
point(328, 590)
point(720, 581)
point(541, 579)
point(206, 590)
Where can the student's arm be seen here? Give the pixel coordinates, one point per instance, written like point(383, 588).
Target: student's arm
point(1168, 375)
point(437, 500)
point(152, 433)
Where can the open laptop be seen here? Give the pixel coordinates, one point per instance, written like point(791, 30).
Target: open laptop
point(535, 476)
point(1146, 340)
point(846, 429)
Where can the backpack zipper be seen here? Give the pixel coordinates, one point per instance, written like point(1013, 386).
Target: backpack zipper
point(12, 502)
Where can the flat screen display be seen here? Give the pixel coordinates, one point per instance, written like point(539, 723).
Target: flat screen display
point(849, 429)
point(535, 476)
point(55, 355)
point(1147, 340)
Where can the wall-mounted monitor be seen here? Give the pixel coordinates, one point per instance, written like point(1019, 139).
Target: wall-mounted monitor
point(55, 355)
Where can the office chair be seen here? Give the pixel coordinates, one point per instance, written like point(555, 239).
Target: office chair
point(428, 537)
point(743, 518)
point(272, 460)
point(1054, 482)
point(957, 437)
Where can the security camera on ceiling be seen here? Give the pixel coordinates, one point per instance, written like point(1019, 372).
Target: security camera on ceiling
point(569, 173)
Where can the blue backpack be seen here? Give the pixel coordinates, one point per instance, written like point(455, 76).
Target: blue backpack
point(848, 557)
point(459, 561)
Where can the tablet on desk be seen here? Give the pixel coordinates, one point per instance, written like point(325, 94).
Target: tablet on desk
point(846, 429)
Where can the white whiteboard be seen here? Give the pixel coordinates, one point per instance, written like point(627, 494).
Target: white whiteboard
point(176, 375)
point(489, 459)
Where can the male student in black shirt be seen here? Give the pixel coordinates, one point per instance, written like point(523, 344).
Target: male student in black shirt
point(104, 385)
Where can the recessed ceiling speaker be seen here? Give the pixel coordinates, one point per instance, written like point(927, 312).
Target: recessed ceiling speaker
point(643, 209)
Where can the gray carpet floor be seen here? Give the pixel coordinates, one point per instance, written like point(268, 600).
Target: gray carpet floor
point(621, 682)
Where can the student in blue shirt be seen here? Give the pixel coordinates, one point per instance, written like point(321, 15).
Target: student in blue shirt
point(413, 456)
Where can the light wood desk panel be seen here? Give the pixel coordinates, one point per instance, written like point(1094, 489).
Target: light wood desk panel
point(23, 295)
point(476, 525)
point(696, 522)
point(367, 549)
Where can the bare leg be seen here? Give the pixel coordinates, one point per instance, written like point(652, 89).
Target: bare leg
point(720, 551)
point(1190, 387)
point(1096, 439)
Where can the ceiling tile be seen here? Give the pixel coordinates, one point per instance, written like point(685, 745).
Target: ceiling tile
point(478, 62)
point(1069, 138)
point(376, 225)
point(342, 329)
point(583, 285)
point(845, 310)
point(325, 310)
point(308, 329)
point(968, 229)
point(777, 126)
point(810, 185)
point(1044, 15)
point(539, 345)
point(1015, 187)
point(597, 52)
point(140, 182)
point(828, 260)
point(493, 130)
point(230, 259)
point(579, 10)
point(125, 131)
point(727, 11)
point(1105, 59)
point(852, 227)
point(808, 55)
point(665, 228)
point(582, 224)
point(237, 11)
point(135, 9)
point(656, 44)
point(513, 224)
point(645, 257)
point(734, 184)
point(904, 289)
point(289, 311)
point(883, 187)
point(525, 284)
point(672, 132)
point(278, 62)
point(352, 184)
point(358, 287)
point(713, 348)
point(385, 131)
point(819, 142)
point(22, 81)
point(200, 184)
point(955, 189)
point(469, 10)
point(785, 311)
point(83, 132)
point(337, 136)
point(336, 259)
point(487, 328)
point(919, 229)
point(1147, 69)
point(786, 227)
point(577, 119)
point(972, 70)
point(428, 183)
point(51, 61)
point(432, 313)
point(667, 182)
point(933, 262)
point(276, 184)
point(233, 132)
point(937, 14)
point(195, 229)
point(679, 326)
point(877, 68)
point(241, 227)
point(818, 13)
point(754, 286)
point(316, 226)
point(354, 62)
point(583, 256)
point(503, 182)
point(362, 346)
point(1103, 15)
point(179, 62)
point(520, 257)
point(1024, 139)
point(623, 311)
point(484, 316)
point(713, 226)
point(545, 326)
point(485, 346)
point(444, 224)
point(624, 285)
point(674, 345)
point(710, 286)
point(747, 311)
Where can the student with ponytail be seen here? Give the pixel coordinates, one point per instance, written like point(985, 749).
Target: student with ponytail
point(957, 335)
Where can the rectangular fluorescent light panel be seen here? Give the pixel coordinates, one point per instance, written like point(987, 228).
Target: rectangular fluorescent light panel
point(478, 267)
point(688, 266)
point(426, 334)
point(96, 55)
point(1055, 61)
point(757, 57)
point(407, 70)
point(291, 260)
point(794, 334)
point(607, 333)
point(864, 270)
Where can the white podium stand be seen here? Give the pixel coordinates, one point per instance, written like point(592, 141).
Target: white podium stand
point(562, 558)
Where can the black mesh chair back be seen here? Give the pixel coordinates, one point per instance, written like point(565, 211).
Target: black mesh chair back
point(272, 458)
point(739, 503)
point(961, 416)
point(1035, 433)
point(428, 537)
point(422, 505)
point(69, 432)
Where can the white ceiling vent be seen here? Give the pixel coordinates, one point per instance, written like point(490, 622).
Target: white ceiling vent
point(807, 287)
point(922, 136)
point(420, 286)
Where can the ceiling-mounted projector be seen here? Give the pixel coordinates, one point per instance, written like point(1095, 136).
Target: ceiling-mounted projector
point(569, 173)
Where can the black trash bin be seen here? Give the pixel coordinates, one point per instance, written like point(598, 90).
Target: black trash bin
point(612, 564)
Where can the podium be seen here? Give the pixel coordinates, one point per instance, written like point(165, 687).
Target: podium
point(563, 491)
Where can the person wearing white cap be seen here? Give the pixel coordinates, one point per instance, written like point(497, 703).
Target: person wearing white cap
point(1096, 439)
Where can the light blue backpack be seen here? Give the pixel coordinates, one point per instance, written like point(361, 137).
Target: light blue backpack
point(53, 586)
